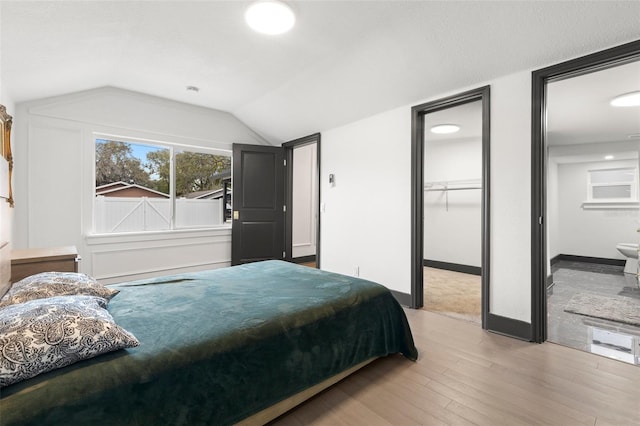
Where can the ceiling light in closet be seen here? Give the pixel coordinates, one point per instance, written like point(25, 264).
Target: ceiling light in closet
point(445, 128)
point(627, 100)
point(270, 17)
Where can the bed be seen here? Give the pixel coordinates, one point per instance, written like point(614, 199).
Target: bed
point(220, 347)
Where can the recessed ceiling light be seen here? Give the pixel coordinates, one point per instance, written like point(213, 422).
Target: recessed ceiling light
point(609, 157)
point(627, 100)
point(445, 128)
point(270, 17)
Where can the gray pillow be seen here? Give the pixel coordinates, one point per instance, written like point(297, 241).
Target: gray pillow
point(45, 334)
point(50, 284)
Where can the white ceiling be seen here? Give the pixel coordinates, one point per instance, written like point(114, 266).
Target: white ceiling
point(468, 116)
point(579, 110)
point(344, 60)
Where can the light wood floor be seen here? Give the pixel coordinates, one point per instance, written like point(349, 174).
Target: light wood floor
point(467, 376)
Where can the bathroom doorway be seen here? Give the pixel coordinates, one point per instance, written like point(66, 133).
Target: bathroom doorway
point(591, 162)
point(450, 206)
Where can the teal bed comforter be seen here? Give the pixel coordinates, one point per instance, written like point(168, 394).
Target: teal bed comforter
point(218, 346)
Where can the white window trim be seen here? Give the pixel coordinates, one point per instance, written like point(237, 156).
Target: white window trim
point(612, 203)
point(134, 237)
point(162, 234)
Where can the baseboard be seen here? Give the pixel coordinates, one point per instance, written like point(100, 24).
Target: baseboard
point(549, 280)
point(403, 298)
point(456, 267)
point(588, 259)
point(555, 259)
point(509, 327)
point(304, 259)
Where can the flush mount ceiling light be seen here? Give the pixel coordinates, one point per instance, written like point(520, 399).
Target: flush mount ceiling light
point(627, 100)
point(270, 17)
point(445, 128)
point(609, 157)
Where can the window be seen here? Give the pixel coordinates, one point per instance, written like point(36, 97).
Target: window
point(614, 187)
point(152, 187)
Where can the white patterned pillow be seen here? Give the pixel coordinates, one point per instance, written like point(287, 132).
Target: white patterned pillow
point(50, 284)
point(45, 334)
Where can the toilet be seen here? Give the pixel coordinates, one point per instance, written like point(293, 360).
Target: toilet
point(630, 251)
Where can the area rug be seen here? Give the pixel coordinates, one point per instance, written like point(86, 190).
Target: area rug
point(619, 309)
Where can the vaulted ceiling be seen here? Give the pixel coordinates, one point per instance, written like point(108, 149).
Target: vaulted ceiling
point(343, 60)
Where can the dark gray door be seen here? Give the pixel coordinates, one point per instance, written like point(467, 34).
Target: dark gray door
point(258, 203)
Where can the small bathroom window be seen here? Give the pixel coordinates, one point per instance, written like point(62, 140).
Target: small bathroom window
point(614, 187)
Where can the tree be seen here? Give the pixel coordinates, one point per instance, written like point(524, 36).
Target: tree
point(158, 167)
point(115, 162)
point(195, 171)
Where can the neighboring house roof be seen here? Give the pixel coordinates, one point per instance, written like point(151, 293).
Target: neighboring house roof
point(222, 175)
point(107, 186)
point(206, 195)
point(123, 189)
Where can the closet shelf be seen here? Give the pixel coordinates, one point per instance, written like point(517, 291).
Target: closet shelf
point(453, 185)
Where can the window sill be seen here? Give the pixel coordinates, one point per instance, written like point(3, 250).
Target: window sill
point(610, 205)
point(176, 234)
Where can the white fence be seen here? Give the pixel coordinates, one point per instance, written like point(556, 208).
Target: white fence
point(126, 214)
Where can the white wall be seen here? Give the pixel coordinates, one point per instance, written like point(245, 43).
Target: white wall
point(553, 213)
point(305, 204)
point(590, 232)
point(5, 243)
point(367, 222)
point(54, 181)
point(452, 219)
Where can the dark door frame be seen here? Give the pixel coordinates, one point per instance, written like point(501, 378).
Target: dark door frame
point(583, 65)
point(417, 190)
point(288, 155)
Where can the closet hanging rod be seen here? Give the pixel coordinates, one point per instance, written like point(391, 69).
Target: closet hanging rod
point(452, 189)
point(453, 185)
point(456, 182)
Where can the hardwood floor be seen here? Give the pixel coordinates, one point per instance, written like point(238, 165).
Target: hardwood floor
point(467, 376)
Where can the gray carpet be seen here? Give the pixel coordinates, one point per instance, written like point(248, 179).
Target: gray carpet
point(619, 308)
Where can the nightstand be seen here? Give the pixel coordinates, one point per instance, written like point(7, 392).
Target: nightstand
point(33, 261)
